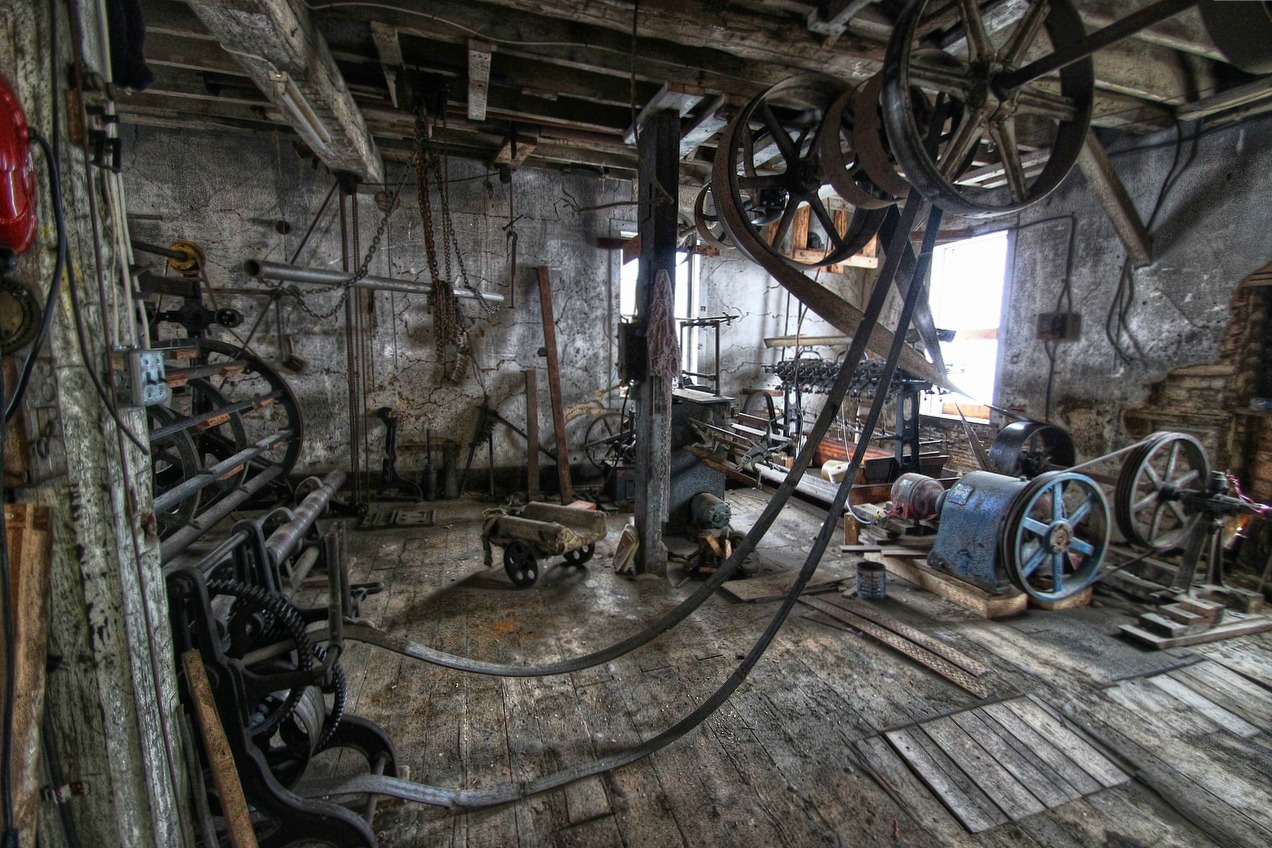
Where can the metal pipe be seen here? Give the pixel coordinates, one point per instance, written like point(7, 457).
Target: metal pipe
point(283, 541)
point(327, 277)
point(180, 540)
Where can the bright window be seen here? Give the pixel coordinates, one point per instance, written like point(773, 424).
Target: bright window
point(686, 293)
point(966, 292)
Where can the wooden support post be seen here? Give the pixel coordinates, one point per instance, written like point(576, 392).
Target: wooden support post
point(220, 757)
point(1117, 204)
point(27, 529)
point(659, 182)
point(532, 433)
point(554, 387)
point(112, 705)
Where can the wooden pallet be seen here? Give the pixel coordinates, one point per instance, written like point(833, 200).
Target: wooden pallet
point(952, 589)
point(1236, 624)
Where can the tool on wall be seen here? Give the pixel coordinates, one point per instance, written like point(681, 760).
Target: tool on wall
point(390, 479)
point(428, 477)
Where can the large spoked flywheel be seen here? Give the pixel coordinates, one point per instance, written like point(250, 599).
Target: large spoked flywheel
point(1148, 513)
point(1006, 145)
point(1054, 535)
point(770, 165)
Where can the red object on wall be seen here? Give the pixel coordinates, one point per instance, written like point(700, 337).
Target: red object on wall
point(17, 176)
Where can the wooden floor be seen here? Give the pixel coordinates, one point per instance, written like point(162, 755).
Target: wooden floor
point(807, 751)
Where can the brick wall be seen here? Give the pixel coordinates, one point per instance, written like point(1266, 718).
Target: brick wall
point(1212, 401)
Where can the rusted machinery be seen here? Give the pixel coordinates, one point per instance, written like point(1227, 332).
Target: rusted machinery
point(1047, 534)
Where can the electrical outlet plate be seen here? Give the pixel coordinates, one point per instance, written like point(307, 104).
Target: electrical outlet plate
point(1058, 326)
point(140, 379)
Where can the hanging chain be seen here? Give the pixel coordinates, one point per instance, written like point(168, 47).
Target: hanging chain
point(452, 344)
point(363, 267)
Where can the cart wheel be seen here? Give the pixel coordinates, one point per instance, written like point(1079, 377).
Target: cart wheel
point(580, 555)
point(521, 565)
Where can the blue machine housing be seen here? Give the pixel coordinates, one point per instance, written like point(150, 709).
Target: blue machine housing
point(972, 516)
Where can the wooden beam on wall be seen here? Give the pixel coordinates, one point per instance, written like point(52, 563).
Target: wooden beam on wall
point(1108, 188)
point(280, 48)
point(659, 218)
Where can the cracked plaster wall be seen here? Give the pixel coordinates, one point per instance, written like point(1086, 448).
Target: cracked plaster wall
point(227, 192)
point(1210, 233)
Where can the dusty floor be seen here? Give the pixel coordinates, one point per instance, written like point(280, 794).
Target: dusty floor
point(796, 757)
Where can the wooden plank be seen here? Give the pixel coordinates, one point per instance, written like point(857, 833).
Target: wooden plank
point(914, 798)
point(960, 794)
point(1041, 746)
point(1226, 719)
point(1229, 807)
point(1074, 746)
point(554, 385)
point(28, 541)
point(1245, 626)
point(1008, 793)
point(954, 590)
point(532, 433)
point(1230, 690)
point(774, 587)
point(220, 758)
point(1043, 783)
point(915, 635)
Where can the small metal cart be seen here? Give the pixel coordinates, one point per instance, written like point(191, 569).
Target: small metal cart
point(538, 531)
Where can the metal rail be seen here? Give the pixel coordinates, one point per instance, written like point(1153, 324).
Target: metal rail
point(326, 277)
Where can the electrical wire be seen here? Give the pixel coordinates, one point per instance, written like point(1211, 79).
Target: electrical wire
point(10, 656)
point(50, 302)
point(1116, 322)
point(1064, 298)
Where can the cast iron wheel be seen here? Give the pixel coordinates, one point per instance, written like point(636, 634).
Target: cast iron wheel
point(706, 220)
point(845, 171)
point(521, 564)
point(580, 555)
point(220, 441)
point(770, 165)
point(608, 439)
point(1147, 513)
point(253, 619)
point(1054, 535)
point(174, 459)
point(1029, 448)
point(1032, 134)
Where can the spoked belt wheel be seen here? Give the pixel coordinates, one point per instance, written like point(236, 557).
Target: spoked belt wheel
point(1147, 513)
point(1054, 535)
point(1004, 149)
point(770, 165)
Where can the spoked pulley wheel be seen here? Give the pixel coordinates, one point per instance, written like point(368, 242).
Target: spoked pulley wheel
point(769, 166)
point(1054, 535)
point(840, 142)
point(605, 439)
point(706, 220)
point(1007, 145)
point(1147, 512)
point(1028, 448)
point(174, 459)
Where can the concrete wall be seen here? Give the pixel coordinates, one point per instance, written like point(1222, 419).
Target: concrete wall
point(228, 192)
point(1209, 233)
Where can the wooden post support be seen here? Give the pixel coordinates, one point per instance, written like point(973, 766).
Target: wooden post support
point(220, 757)
point(658, 214)
point(27, 529)
point(554, 387)
point(532, 433)
point(1117, 204)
